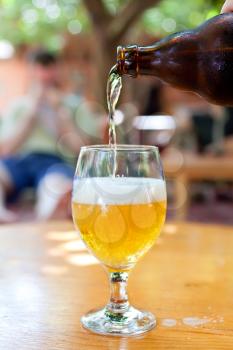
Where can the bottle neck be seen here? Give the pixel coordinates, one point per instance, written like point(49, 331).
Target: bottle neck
point(137, 60)
point(127, 60)
point(169, 59)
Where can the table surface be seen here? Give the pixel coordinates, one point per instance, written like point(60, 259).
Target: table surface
point(48, 280)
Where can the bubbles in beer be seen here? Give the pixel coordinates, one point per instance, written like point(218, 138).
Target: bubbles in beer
point(119, 219)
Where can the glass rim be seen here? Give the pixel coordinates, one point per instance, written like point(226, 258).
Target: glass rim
point(121, 147)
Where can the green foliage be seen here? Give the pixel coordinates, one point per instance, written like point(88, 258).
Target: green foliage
point(46, 21)
point(41, 21)
point(114, 5)
point(173, 15)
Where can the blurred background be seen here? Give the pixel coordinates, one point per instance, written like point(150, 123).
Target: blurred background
point(66, 49)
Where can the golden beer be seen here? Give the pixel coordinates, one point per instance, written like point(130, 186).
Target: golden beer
point(119, 219)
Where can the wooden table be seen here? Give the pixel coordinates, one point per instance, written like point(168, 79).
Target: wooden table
point(185, 168)
point(48, 280)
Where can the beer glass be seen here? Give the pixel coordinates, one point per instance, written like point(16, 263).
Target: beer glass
point(119, 218)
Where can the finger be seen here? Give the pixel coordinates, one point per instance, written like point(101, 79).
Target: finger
point(227, 7)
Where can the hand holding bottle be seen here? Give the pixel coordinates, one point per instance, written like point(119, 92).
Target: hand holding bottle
point(228, 6)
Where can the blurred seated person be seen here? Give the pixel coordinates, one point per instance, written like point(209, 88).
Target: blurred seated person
point(30, 135)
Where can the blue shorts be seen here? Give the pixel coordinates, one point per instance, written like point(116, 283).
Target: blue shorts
point(28, 170)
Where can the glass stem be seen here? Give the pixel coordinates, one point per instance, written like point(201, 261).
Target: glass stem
point(118, 303)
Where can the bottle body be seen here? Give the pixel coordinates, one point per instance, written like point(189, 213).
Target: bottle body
point(200, 60)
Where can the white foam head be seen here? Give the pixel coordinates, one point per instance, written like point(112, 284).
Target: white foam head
point(118, 190)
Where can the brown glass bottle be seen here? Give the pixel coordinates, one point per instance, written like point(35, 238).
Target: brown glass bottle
point(200, 60)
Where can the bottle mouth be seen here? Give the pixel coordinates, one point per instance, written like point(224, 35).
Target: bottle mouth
point(127, 60)
point(120, 59)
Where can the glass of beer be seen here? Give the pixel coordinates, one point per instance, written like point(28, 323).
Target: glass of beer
point(119, 207)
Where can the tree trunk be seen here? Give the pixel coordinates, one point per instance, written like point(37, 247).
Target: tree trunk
point(105, 59)
point(110, 31)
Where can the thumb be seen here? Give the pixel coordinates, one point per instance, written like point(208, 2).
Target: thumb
point(227, 7)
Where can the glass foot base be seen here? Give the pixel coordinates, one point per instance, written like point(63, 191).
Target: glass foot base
point(132, 322)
